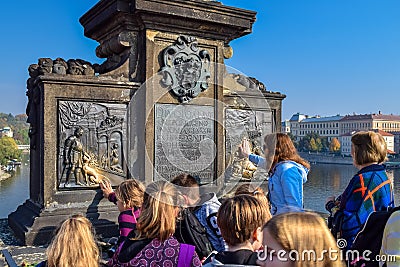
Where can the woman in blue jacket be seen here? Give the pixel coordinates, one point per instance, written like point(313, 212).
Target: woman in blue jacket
point(287, 172)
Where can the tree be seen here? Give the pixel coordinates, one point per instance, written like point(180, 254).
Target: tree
point(318, 144)
point(334, 145)
point(313, 145)
point(8, 150)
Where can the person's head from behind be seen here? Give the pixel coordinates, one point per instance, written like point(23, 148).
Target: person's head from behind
point(252, 190)
point(279, 147)
point(74, 244)
point(188, 187)
point(159, 211)
point(298, 239)
point(129, 194)
point(367, 148)
point(240, 220)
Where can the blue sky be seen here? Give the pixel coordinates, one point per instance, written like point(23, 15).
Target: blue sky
point(327, 56)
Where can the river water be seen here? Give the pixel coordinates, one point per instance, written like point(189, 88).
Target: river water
point(323, 180)
point(15, 190)
point(331, 179)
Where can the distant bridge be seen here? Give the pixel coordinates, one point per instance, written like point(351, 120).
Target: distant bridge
point(24, 147)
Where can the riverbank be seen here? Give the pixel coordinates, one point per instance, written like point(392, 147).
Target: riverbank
point(326, 158)
point(4, 175)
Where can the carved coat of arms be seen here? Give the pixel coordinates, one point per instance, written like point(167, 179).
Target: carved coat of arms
point(185, 69)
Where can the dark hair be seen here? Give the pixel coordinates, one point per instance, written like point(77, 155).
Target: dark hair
point(185, 180)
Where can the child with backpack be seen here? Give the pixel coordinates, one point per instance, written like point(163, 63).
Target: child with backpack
point(241, 219)
point(128, 196)
point(204, 207)
point(153, 244)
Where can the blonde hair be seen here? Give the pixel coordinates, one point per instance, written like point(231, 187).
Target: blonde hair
point(304, 231)
point(368, 147)
point(239, 216)
point(255, 191)
point(283, 149)
point(74, 245)
point(130, 193)
point(158, 215)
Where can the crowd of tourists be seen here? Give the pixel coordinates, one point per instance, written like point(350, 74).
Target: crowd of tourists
point(170, 223)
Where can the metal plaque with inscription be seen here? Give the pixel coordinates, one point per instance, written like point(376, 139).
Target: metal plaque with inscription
point(184, 141)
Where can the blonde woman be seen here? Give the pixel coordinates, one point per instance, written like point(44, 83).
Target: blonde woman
point(369, 190)
point(299, 239)
point(154, 244)
point(73, 245)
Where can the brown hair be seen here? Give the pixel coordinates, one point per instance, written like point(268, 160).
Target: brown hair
point(304, 231)
point(239, 216)
point(368, 147)
point(255, 191)
point(130, 193)
point(158, 215)
point(184, 181)
point(283, 148)
point(74, 244)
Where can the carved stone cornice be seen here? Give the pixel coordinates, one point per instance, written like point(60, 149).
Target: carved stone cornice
point(209, 19)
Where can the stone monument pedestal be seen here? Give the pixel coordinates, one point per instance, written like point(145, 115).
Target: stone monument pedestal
point(159, 105)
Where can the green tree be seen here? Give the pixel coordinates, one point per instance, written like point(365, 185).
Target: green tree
point(8, 150)
point(334, 145)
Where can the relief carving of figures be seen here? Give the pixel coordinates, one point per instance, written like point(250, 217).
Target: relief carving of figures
point(185, 69)
point(74, 155)
point(90, 139)
point(114, 159)
point(240, 125)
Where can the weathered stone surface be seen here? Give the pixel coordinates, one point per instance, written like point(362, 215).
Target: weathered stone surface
point(65, 95)
point(50, 203)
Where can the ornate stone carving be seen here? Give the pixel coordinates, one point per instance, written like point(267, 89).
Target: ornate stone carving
point(249, 82)
point(91, 142)
point(80, 67)
point(47, 66)
point(117, 50)
point(33, 94)
point(185, 68)
point(60, 66)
